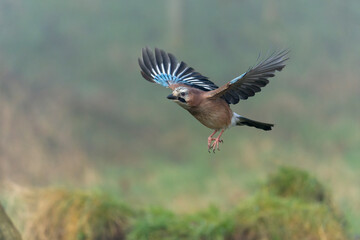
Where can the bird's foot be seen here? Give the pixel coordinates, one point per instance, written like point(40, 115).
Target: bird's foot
point(210, 139)
point(215, 145)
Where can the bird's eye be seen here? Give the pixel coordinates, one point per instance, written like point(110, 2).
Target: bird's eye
point(182, 94)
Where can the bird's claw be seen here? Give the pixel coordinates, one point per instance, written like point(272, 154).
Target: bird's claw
point(210, 143)
point(214, 145)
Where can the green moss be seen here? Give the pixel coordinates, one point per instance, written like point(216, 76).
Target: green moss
point(264, 216)
point(157, 223)
point(296, 183)
point(292, 204)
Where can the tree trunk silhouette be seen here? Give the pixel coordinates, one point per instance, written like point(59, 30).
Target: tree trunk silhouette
point(175, 15)
point(7, 228)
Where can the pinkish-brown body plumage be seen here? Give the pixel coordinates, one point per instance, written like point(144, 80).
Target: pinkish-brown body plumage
point(207, 102)
point(213, 113)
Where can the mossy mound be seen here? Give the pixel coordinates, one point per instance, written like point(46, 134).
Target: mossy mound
point(269, 217)
point(61, 214)
point(295, 183)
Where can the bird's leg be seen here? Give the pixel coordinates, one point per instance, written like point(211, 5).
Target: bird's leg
point(210, 139)
point(217, 141)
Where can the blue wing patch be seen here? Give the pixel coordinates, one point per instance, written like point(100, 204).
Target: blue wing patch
point(164, 69)
point(237, 78)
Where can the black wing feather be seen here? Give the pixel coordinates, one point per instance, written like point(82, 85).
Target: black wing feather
point(254, 79)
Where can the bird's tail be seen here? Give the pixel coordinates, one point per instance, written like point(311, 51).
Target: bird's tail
point(240, 120)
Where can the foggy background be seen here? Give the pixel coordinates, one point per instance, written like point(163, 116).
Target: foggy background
point(75, 111)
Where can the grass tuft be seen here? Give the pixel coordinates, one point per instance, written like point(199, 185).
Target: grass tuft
point(61, 214)
point(292, 182)
point(158, 223)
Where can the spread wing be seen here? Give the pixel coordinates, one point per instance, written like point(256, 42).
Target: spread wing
point(164, 69)
point(251, 82)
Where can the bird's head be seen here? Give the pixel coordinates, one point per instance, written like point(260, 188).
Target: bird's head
point(180, 95)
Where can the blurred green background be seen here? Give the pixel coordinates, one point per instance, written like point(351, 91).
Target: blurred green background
point(75, 111)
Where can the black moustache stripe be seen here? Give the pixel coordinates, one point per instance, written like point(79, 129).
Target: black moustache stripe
point(181, 99)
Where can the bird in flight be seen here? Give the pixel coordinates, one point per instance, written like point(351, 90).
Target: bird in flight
point(207, 102)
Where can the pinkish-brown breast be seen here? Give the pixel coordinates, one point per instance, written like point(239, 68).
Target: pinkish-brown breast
point(213, 113)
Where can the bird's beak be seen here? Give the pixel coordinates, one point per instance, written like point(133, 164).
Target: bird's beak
point(171, 97)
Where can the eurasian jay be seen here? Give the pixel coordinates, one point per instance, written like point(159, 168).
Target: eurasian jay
point(207, 102)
